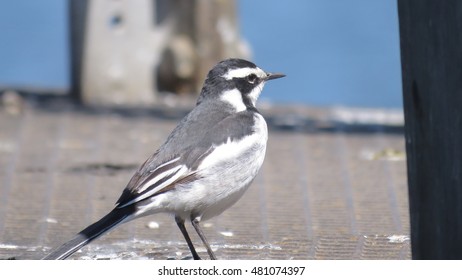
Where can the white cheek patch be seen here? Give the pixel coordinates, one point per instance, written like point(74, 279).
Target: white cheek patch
point(243, 72)
point(234, 98)
point(255, 93)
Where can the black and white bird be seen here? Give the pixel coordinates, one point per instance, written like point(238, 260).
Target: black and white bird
point(206, 164)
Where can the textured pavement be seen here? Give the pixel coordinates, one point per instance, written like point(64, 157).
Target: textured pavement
point(330, 188)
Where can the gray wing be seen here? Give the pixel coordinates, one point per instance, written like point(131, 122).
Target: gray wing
point(177, 159)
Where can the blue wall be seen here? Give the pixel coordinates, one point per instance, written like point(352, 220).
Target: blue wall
point(334, 52)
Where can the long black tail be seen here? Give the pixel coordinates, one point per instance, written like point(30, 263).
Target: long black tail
point(115, 217)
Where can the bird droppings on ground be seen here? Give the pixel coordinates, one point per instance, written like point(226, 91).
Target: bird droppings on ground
point(226, 233)
point(153, 225)
point(51, 220)
point(398, 238)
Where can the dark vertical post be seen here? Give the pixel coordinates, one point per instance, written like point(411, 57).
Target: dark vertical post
point(431, 57)
point(77, 22)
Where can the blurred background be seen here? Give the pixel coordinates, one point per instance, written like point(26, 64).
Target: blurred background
point(89, 89)
point(333, 52)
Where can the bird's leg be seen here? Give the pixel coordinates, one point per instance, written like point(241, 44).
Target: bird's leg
point(195, 223)
point(180, 222)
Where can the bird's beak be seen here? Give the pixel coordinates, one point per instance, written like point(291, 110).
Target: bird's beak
point(272, 76)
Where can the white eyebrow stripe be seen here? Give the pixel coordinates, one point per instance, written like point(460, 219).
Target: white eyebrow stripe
point(243, 72)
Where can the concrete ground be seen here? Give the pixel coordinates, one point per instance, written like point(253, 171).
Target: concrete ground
point(333, 185)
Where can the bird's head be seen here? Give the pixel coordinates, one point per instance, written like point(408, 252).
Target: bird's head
point(236, 81)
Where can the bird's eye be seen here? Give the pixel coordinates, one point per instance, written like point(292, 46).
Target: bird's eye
point(251, 78)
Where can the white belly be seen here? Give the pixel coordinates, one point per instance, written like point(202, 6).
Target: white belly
point(224, 176)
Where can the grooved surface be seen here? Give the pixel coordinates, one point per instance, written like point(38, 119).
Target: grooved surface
point(324, 192)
